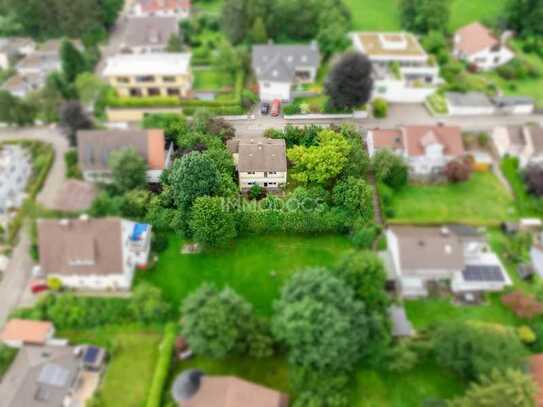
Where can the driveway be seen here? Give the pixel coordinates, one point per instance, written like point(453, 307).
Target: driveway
point(13, 287)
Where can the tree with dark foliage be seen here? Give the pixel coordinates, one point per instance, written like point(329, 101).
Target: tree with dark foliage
point(458, 170)
point(350, 83)
point(533, 177)
point(72, 119)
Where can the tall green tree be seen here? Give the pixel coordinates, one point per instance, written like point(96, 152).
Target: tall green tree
point(259, 35)
point(14, 110)
point(210, 223)
point(511, 388)
point(356, 196)
point(128, 170)
point(525, 16)
point(235, 20)
point(73, 61)
point(320, 322)
point(73, 118)
point(423, 16)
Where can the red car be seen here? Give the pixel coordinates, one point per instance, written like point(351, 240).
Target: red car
point(276, 108)
point(39, 288)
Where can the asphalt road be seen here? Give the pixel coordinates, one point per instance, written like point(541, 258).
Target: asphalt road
point(14, 285)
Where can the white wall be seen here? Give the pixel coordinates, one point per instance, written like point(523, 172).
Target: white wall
point(396, 91)
point(487, 59)
point(246, 181)
point(274, 90)
point(469, 111)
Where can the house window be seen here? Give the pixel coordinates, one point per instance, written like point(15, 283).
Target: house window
point(272, 172)
point(123, 79)
point(153, 92)
point(168, 79)
point(173, 92)
point(250, 173)
point(266, 85)
point(135, 92)
point(145, 78)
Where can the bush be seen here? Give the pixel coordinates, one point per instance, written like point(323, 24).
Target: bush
point(257, 192)
point(380, 108)
point(458, 170)
point(72, 168)
point(533, 177)
point(159, 242)
point(526, 335)
point(292, 108)
point(364, 238)
point(162, 369)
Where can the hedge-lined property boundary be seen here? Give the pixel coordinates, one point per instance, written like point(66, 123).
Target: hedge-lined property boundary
point(169, 101)
point(163, 365)
point(36, 183)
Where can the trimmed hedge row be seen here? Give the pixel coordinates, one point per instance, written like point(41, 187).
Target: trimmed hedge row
point(162, 369)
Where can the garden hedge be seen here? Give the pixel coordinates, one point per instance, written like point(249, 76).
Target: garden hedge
point(163, 365)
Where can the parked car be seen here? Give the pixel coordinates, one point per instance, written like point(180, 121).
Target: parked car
point(276, 108)
point(265, 108)
point(37, 288)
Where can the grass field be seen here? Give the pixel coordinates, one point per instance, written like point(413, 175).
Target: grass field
point(130, 370)
point(255, 267)
point(210, 79)
point(423, 313)
point(527, 205)
point(480, 201)
point(369, 16)
point(425, 382)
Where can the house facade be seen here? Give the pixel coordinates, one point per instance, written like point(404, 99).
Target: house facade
point(402, 70)
point(142, 75)
point(15, 170)
point(149, 34)
point(278, 68)
point(426, 149)
point(180, 9)
point(454, 255)
point(93, 254)
point(260, 161)
point(95, 147)
point(522, 142)
point(12, 48)
point(479, 47)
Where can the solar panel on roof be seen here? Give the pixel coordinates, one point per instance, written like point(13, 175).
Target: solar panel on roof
point(483, 273)
point(90, 355)
point(54, 375)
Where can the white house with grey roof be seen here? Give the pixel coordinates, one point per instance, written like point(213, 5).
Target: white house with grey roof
point(279, 67)
point(456, 255)
point(260, 161)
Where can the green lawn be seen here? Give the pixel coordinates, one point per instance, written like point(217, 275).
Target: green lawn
point(480, 201)
point(255, 267)
point(7, 355)
point(131, 367)
point(426, 381)
point(210, 79)
point(423, 313)
point(367, 16)
point(527, 205)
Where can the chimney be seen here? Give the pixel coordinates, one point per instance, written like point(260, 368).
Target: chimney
point(84, 217)
point(64, 222)
point(445, 231)
point(260, 146)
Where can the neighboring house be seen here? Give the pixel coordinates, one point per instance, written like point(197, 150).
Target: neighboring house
point(456, 255)
point(22, 85)
point(279, 67)
point(148, 34)
point(95, 147)
point(19, 332)
point(514, 104)
point(427, 149)
point(93, 254)
point(522, 142)
point(179, 9)
point(51, 376)
point(402, 70)
point(468, 104)
point(193, 389)
point(162, 74)
point(15, 170)
point(479, 47)
point(261, 161)
point(14, 47)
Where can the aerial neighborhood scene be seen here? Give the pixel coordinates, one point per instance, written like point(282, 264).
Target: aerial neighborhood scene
point(247, 203)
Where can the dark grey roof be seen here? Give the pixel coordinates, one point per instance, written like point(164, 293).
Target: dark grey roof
point(279, 62)
point(262, 154)
point(503, 101)
point(470, 99)
point(401, 326)
point(481, 273)
point(40, 376)
point(150, 31)
point(95, 146)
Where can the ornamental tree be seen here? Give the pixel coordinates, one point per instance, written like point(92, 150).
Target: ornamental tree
point(210, 223)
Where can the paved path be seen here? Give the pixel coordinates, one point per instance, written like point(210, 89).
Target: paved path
point(14, 285)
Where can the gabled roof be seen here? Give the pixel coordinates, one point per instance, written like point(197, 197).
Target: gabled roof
point(95, 147)
point(148, 64)
point(150, 31)
point(230, 391)
point(474, 38)
point(81, 247)
point(276, 62)
point(27, 331)
point(260, 154)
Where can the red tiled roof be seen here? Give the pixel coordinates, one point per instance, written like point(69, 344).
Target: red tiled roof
point(417, 137)
point(152, 6)
point(391, 139)
point(475, 37)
